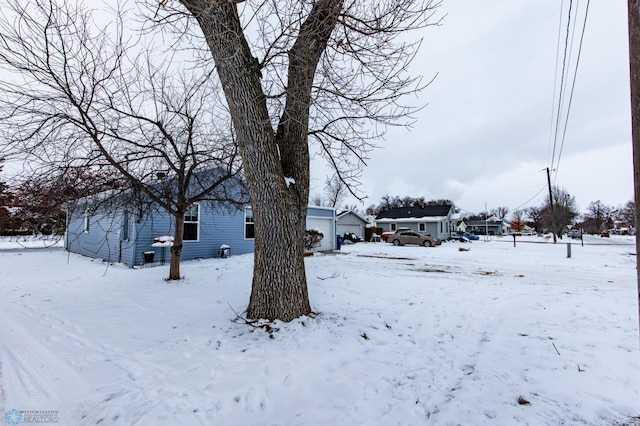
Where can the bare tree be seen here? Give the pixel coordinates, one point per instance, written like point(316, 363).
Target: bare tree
point(78, 100)
point(500, 212)
point(325, 70)
point(627, 214)
point(6, 200)
point(565, 210)
point(335, 191)
point(535, 217)
point(316, 200)
point(600, 214)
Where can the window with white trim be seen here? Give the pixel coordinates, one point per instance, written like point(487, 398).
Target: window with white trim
point(249, 231)
point(393, 226)
point(191, 223)
point(423, 227)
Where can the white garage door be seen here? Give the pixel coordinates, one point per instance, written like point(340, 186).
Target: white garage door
point(325, 225)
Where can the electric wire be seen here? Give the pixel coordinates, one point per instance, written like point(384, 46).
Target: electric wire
point(555, 81)
point(562, 83)
point(573, 85)
point(560, 138)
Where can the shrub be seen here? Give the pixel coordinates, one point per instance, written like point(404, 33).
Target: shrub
point(312, 238)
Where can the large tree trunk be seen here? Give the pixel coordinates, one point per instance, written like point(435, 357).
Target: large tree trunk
point(634, 59)
point(279, 283)
point(176, 248)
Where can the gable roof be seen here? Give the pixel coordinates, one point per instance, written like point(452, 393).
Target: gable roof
point(416, 212)
point(352, 213)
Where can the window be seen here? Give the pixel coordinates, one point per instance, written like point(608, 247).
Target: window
point(87, 221)
point(393, 226)
point(125, 227)
point(248, 224)
point(423, 227)
point(191, 223)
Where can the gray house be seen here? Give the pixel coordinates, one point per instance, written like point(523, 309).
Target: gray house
point(491, 226)
point(430, 219)
point(123, 236)
point(351, 222)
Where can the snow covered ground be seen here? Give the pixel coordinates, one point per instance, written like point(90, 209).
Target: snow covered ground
point(494, 335)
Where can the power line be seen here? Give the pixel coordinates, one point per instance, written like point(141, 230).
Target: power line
point(555, 82)
point(542, 188)
point(573, 85)
point(564, 82)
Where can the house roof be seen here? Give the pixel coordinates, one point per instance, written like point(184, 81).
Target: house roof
point(426, 212)
point(353, 213)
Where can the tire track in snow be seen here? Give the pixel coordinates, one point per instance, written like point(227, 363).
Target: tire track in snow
point(34, 378)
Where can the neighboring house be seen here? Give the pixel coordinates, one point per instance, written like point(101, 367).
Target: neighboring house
point(431, 219)
point(352, 222)
point(491, 226)
point(122, 236)
point(457, 224)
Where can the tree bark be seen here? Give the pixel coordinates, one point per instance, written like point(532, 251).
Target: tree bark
point(271, 158)
point(176, 248)
point(634, 61)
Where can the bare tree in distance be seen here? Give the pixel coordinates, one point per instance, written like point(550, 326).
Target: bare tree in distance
point(499, 212)
point(535, 217)
point(73, 99)
point(328, 72)
point(565, 210)
point(600, 214)
point(627, 214)
point(335, 191)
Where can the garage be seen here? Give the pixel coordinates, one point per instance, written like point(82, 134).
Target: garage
point(351, 222)
point(323, 219)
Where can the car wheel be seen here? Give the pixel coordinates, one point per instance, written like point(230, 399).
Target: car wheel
point(427, 243)
point(396, 242)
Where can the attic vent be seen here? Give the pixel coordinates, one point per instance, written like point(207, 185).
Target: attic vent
point(161, 175)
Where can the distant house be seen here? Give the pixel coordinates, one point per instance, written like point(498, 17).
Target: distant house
point(351, 222)
point(431, 219)
point(123, 236)
point(490, 226)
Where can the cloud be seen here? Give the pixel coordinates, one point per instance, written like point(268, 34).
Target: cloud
point(490, 110)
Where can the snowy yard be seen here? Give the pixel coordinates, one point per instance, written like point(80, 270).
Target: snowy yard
point(495, 335)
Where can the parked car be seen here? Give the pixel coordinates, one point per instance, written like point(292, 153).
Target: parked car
point(604, 234)
point(385, 235)
point(574, 233)
point(462, 236)
point(411, 237)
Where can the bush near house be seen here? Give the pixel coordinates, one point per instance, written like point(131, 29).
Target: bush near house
point(312, 238)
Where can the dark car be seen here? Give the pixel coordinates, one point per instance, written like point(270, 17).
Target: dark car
point(350, 236)
point(411, 237)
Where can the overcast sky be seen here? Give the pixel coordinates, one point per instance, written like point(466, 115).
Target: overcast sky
point(486, 134)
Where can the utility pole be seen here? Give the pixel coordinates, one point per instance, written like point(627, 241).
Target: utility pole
point(634, 65)
point(553, 213)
